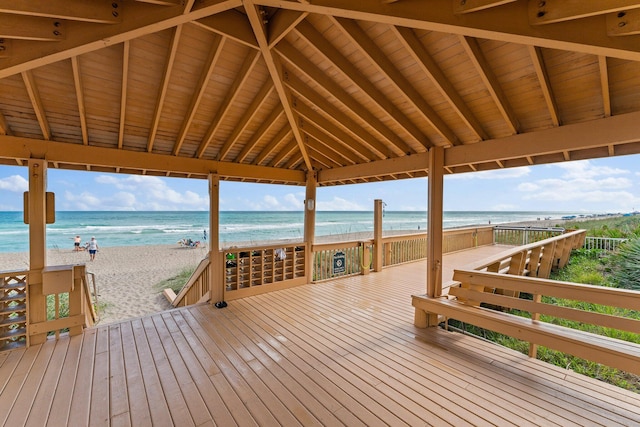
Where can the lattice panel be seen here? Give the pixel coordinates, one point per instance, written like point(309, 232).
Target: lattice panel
point(13, 310)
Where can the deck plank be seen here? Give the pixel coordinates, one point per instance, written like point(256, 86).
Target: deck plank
point(342, 352)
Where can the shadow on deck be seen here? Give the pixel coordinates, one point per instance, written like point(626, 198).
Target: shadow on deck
point(337, 352)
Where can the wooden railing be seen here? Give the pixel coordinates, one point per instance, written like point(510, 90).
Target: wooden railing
point(196, 290)
point(340, 259)
point(13, 309)
point(406, 248)
point(512, 235)
point(69, 303)
point(254, 270)
point(499, 283)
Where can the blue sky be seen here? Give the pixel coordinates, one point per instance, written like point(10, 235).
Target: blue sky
point(600, 185)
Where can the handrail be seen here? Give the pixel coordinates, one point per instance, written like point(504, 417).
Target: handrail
point(90, 303)
point(197, 286)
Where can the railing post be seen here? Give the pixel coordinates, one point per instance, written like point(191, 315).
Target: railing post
point(365, 261)
point(377, 235)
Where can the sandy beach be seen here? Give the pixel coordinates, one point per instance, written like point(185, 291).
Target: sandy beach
point(127, 276)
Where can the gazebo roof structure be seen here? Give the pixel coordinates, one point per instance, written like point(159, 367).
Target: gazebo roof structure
point(266, 90)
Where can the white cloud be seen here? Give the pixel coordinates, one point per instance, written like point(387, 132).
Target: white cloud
point(14, 183)
point(585, 169)
point(339, 204)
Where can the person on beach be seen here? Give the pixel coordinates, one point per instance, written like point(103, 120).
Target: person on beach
point(76, 243)
point(93, 248)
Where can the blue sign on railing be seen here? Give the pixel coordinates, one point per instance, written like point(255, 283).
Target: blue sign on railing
point(339, 263)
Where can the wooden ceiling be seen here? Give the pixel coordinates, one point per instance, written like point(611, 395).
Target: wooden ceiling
point(266, 90)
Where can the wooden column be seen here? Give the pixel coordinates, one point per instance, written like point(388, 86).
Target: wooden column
point(216, 282)
point(377, 235)
point(37, 208)
point(310, 222)
point(434, 227)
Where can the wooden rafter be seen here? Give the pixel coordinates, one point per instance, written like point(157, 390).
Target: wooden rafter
point(243, 74)
point(468, 6)
point(476, 56)
point(545, 85)
point(626, 23)
point(353, 74)
point(604, 85)
point(509, 23)
point(367, 47)
point(338, 118)
point(283, 133)
point(275, 70)
point(417, 162)
point(296, 59)
point(77, 81)
point(123, 92)
point(97, 11)
point(249, 115)
point(429, 66)
point(36, 103)
point(230, 24)
point(552, 11)
point(322, 138)
point(337, 134)
point(323, 154)
point(164, 85)
point(283, 153)
point(215, 51)
point(267, 124)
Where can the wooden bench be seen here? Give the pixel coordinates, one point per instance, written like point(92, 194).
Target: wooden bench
point(464, 304)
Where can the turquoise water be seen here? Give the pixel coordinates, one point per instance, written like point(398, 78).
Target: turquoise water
point(160, 228)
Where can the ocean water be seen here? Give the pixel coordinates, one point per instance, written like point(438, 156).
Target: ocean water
point(162, 228)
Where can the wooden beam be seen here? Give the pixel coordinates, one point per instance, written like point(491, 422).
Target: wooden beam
point(249, 115)
point(604, 85)
point(468, 6)
point(36, 103)
point(76, 154)
point(234, 90)
point(315, 134)
point(164, 85)
point(508, 23)
point(552, 11)
point(284, 152)
point(413, 163)
point(429, 66)
point(230, 24)
point(139, 20)
point(215, 50)
point(123, 91)
point(396, 145)
point(77, 80)
point(353, 74)
point(472, 47)
point(5, 48)
point(615, 130)
point(434, 222)
point(545, 84)
point(97, 11)
point(275, 70)
point(32, 28)
point(625, 23)
point(368, 48)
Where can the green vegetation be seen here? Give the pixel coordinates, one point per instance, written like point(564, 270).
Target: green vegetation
point(617, 227)
point(176, 282)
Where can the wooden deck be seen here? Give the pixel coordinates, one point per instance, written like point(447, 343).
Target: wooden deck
point(341, 352)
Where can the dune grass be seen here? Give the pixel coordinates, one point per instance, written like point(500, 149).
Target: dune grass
point(176, 282)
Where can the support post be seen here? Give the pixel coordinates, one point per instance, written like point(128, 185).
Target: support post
point(37, 207)
point(434, 227)
point(216, 282)
point(310, 222)
point(377, 235)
